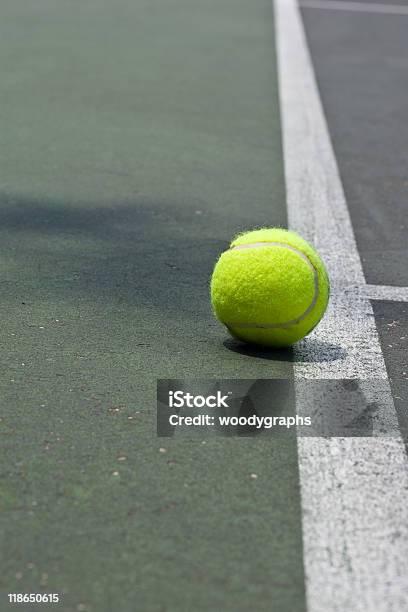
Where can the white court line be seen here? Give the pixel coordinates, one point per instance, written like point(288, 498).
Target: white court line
point(358, 7)
point(354, 490)
point(385, 293)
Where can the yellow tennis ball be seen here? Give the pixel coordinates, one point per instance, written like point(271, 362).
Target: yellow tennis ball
point(270, 288)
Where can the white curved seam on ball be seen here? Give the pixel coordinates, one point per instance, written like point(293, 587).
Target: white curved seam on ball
point(298, 319)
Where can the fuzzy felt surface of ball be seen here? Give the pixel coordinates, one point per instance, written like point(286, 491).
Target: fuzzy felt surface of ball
point(270, 287)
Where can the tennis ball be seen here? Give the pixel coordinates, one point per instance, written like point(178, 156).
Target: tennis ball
point(270, 288)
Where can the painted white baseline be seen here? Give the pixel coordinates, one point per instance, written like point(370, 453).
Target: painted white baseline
point(358, 7)
point(354, 490)
point(385, 293)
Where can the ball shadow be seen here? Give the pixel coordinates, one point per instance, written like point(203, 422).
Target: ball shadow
point(308, 351)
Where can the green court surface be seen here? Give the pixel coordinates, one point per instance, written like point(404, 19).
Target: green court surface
point(137, 138)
